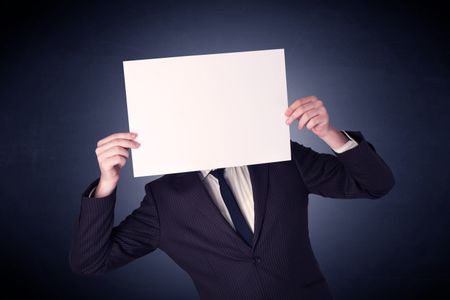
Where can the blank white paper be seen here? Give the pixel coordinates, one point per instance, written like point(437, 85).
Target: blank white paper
point(207, 111)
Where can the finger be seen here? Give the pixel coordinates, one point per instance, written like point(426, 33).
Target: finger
point(307, 116)
point(300, 110)
point(113, 161)
point(315, 121)
point(110, 162)
point(119, 135)
point(117, 142)
point(116, 150)
point(299, 102)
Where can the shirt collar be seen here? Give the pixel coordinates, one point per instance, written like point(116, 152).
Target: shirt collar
point(205, 173)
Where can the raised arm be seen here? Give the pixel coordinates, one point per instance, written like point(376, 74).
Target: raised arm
point(98, 247)
point(356, 173)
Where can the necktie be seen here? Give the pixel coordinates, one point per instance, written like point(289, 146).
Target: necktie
point(238, 219)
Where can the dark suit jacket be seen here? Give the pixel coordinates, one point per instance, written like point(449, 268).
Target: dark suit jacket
point(178, 216)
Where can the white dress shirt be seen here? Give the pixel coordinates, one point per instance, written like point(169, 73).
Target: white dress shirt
point(238, 178)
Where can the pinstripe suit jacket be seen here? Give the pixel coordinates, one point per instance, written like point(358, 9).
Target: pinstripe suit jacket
point(178, 216)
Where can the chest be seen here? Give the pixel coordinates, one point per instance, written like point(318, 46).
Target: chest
point(190, 214)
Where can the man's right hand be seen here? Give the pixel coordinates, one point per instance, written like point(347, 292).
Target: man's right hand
point(112, 154)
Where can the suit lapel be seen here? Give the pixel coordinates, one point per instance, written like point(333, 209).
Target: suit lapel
point(192, 188)
point(259, 175)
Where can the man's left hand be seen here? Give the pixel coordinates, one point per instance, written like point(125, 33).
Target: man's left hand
point(311, 112)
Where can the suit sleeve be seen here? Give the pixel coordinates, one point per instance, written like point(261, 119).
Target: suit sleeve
point(97, 246)
point(356, 173)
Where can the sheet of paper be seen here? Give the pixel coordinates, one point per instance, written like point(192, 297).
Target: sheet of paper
point(207, 111)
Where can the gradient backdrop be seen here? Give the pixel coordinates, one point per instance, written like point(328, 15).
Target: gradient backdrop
point(380, 69)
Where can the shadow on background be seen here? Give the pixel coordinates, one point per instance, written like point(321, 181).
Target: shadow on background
point(380, 69)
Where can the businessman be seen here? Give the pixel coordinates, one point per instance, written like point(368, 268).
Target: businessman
point(240, 232)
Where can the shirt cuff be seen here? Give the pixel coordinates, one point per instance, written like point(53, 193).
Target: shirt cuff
point(92, 191)
point(347, 146)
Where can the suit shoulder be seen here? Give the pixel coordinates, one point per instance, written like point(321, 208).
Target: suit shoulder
point(157, 183)
point(297, 147)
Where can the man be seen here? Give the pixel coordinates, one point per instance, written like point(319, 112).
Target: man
point(240, 233)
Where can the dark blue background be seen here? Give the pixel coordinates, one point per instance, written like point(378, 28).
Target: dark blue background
point(380, 69)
